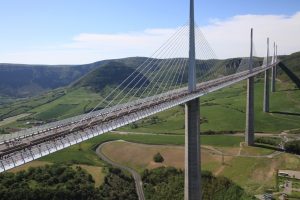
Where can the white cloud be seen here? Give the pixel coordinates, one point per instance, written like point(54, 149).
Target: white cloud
point(229, 38)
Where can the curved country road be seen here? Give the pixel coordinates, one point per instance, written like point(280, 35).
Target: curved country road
point(136, 175)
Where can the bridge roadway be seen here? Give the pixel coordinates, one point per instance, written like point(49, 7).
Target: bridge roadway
point(31, 144)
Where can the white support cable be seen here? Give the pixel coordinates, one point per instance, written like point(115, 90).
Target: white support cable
point(178, 83)
point(92, 120)
point(151, 86)
point(184, 69)
point(206, 43)
point(244, 65)
point(121, 92)
point(207, 52)
point(136, 84)
point(181, 64)
point(166, 66)
point(163, 94)
point(167, 76)
point(145, 62)
point(157, 81)
point(80, 118)
point(208, 56)
point(183, 50)
point(135, 78)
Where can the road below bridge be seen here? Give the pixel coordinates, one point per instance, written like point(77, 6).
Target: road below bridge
point(136, 176)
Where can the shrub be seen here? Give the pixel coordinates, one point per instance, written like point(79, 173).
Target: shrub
point(268, 140)
point(134, 125)
point(293, 147)
point(158, 158)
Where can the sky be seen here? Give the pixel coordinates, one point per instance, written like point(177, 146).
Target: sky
point(85, 31)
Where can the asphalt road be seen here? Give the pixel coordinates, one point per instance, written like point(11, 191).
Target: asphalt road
point(135, 174)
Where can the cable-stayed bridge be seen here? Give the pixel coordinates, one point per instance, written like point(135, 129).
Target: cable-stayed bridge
point(183, 69)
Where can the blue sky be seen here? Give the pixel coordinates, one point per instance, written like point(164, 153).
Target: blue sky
point(34, 25)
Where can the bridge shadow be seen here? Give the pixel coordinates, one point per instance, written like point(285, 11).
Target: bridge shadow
point(267, 146)
point(285, 113)
point(289, 90)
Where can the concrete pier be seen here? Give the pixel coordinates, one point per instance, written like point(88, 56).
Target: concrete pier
point(249, 130)
point(192, 151)
point(266, 104)
point(273, 88)
point(192, 187)
point(273, 82)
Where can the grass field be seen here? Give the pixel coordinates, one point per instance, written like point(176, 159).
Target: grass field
point(140, 156)
point(255, 175)
point(84, 153)
point(224, 110)
point(75, 102)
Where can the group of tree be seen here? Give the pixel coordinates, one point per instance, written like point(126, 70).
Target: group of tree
point(292, 146)
point(273, 141)
point(168, 183)
point(48, 182)
point(118, 185)
point(62, 182)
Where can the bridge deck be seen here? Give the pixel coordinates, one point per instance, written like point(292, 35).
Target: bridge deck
point(34, 143)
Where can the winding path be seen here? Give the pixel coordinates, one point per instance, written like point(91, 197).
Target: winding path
point(136, 176)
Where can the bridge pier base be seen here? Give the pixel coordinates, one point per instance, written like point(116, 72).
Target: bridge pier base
point(249, 131)
point(266, 92)
point(192, 151)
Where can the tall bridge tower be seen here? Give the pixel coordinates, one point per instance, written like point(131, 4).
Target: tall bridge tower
point(192, 124)
point(249, 131)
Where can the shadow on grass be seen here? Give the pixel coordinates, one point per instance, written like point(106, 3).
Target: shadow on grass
point(266, 146)
point(288, 90)
point(286, 113)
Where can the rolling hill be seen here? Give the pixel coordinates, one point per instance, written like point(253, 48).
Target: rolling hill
point(222, 110)
point(19, 80)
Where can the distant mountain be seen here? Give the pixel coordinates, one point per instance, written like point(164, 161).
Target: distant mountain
point(111, 75)
point(19, 80)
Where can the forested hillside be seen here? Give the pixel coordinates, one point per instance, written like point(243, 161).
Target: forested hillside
point(168, 183)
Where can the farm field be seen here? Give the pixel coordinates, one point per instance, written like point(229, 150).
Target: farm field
point(254, 174)
point(224, 111)
point(221, 111)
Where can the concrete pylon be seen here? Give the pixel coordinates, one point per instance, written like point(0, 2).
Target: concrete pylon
point(249, 130)
point(266, 105)
point(192, 125)
point(273, 82)
point(276, 59)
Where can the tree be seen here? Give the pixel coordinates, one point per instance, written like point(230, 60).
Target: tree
point(158, 158)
